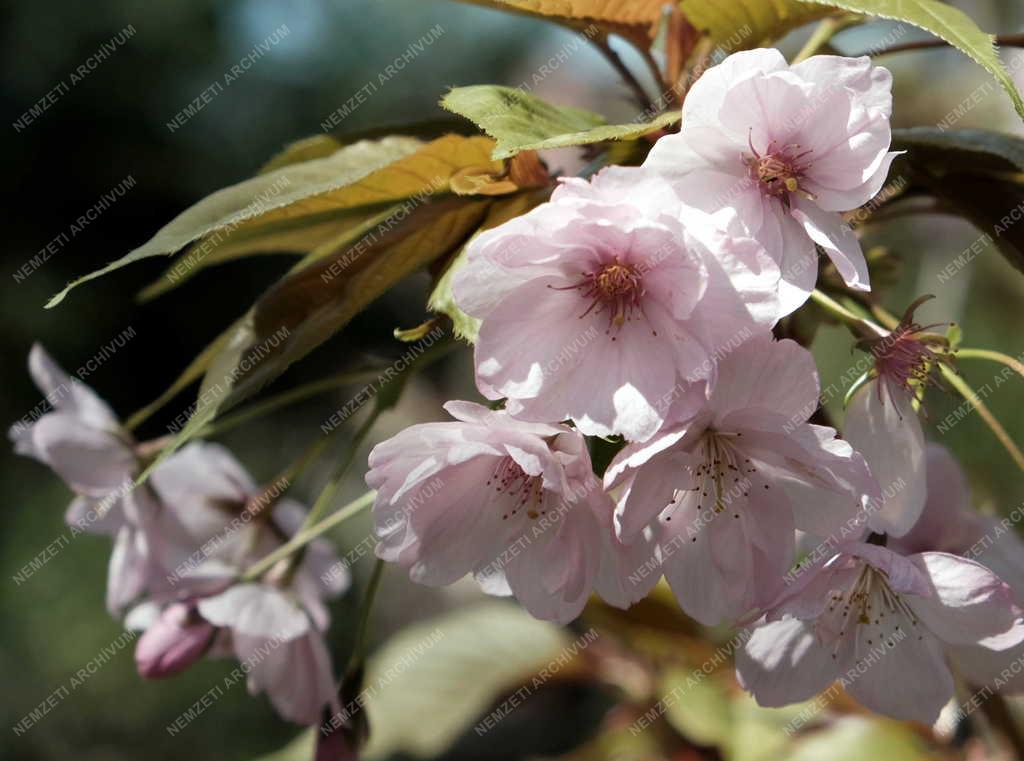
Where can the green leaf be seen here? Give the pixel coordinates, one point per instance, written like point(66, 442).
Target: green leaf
point(266, 195)
point(701, 713)
point(854, 738)
point(945, 22)
point(634, 19)
point(953, 150)
point(977, 174)
point(742, 24)
point(431, 681)
point(361, 174)
point(519, 121)
point(442, 299)
point(320, 297)
point(306, 149)
point(286, 236)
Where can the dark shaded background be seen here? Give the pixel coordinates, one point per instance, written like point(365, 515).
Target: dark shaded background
point(113, 125)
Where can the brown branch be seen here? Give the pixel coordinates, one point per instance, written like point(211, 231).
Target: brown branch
point(643, 99)
point(1007, 40)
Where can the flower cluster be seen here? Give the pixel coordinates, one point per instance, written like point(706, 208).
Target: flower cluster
point(640, 304)
point(637, 310)
point(182, 540)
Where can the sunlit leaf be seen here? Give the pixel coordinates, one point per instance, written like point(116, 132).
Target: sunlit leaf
point(313, 302)
point(519, 121)
point(745, 24)
point(306, 149)
point(946, 22)
point(431, 681)
point(262, 196)
point(635, 19)
point(286, 236)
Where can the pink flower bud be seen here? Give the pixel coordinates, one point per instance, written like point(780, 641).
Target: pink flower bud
point(176, 640)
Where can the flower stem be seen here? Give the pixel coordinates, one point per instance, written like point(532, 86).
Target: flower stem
point(986, 414)
point(995, 356)
point(841, 313)
point(285, 398)
point(355, 661)
point(306, 535)
point(643, 99)
point(822, 33)
point(1006, 40)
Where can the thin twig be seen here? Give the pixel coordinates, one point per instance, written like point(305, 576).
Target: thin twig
point(972, 398)
point(1007, 40)
point(643, 99)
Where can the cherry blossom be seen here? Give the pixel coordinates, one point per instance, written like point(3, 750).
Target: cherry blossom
point(949, 524)
point(881, 624)
point(173, 642)
point(223, 522)
point(777, 151)
point(84, 443)
point(882, 422)
point(730, 477)
point(514, 503)
point(282, 649)
point(596, 305)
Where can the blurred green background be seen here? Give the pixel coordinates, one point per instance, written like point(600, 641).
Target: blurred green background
point(112, 125)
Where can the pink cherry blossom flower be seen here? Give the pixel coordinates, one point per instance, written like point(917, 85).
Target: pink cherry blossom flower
point(596, 304)
point(512, 502)
point(729, 478)
point(177, 639)
point(882, 423)
point(881, 624)
point(282, 649)
point(949, 524)
point(216, 523)
point(82, 440)
point(778, 151)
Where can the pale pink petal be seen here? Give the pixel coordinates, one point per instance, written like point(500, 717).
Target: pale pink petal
point(839, 242)
point(908, 681)
point(256, 611)
point(296, 674)
point(886, 430)
point(999, 670)
point(91, 461)
point(969, 603)
point(782, 662)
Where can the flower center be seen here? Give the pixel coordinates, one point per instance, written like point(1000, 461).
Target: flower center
point(722, 477)
point(526, 491)
point(779, 171)
point(872, 604)
point(905, 357)
point(615, 288)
